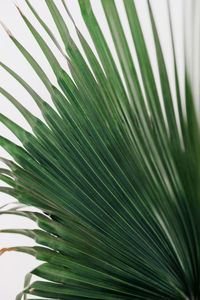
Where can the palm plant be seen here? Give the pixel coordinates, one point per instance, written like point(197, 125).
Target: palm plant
point(114, 174)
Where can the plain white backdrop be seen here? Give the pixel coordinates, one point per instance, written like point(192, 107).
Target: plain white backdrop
point(14, 266)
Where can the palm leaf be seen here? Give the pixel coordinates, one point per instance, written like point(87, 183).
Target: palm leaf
point(114, 174)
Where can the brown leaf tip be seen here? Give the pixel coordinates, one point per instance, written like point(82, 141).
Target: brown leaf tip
point(3, 250)
point(19, 10)
point(5, 28)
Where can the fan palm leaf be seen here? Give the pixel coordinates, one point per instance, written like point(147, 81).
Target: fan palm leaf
point(114, 173)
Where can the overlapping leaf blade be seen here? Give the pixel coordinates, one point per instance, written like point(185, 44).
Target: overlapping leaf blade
point(120, 208)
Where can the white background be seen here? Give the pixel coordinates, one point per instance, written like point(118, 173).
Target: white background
point(14, 266)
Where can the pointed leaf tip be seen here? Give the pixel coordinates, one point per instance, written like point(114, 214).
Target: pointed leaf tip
point(5, 28)
point(19, 10)
point(3, 250)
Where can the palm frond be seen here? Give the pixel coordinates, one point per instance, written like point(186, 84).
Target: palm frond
point(114, 174)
